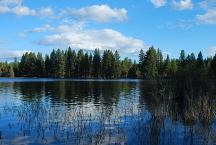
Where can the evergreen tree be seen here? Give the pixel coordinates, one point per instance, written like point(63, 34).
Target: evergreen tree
point(80, 64)
point(150, 64)
point(96, 64)
point(173, 67)
point(200, 61)
point(182, 57)
point(70, 63)
point(11, 72)
point(159, 61)
point(108, 62)
point(132, 73)
point(86, 65)
point(60, 64)
point(16, 67)
point(53, 64)
point(117, 65)
point(39, 65)
point(141, 61)
point(47, 66)
point(213, 67)
point(167, 67)
point(90, 63)
point(125, 66)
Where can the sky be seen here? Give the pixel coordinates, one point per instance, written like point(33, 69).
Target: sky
point(123, 25)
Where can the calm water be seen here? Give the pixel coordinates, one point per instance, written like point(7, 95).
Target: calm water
point(48, 111)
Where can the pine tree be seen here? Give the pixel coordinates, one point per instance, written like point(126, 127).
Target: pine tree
point(182, 57)
point(173, 67)
point(160, 61)
point(70, 63)
point(213, 67)
point(53, 64)
point(97, 64)
point(167, 67)
point(126, 64)
point(141, 61)
point(117, 65)
point(108, 62)
point(132, 73)
point(150, 64)
point(60, 64)
point(39, 65)
point(11, 72)
point(80, 64)
point(47, 66)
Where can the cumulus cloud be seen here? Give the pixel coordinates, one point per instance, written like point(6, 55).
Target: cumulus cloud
point(158, 3)
point(23, 11)
point(5, 53)
point(207, 4)
point(89, 39)
point(182, 4)
point(45, 12)
point(4, 9)
point(207, 18)
point(16, 7)
point(98, 13)
point(211, 51)
point(10, 2)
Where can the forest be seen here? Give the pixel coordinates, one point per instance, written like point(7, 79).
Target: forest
point(109, 65)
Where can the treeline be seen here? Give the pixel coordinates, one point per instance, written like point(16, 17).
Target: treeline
point(72, 64)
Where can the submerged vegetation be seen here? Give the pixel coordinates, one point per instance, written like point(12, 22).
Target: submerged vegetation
point(86, 112)
point(72, 64)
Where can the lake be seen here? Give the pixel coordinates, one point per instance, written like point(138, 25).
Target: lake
point(84, 112)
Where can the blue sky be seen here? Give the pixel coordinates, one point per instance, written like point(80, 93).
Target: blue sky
point(125, 25)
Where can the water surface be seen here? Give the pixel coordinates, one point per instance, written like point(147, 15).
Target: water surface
point(52, 111)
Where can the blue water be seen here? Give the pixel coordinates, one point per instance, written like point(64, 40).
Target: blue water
point(73, 111)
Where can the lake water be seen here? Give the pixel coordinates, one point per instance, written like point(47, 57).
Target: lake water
point(84, 112)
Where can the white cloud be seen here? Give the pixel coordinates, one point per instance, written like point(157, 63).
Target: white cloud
point(4, 9)
point(89, 39)
point(98, 13)
point(16, 7)
point(207, 18)
point(5, 53)
point(45, 12)
point(158, 3)
point(43, 28)
point(23, 11)
point(10, 2)
point(207, 4)
point(211, 51)
point(182, 4)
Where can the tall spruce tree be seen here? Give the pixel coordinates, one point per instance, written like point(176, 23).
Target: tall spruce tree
point(70, 63)
point(96, 64)
point(108, 62)
point(150, 64)
point(117, 65)
point(60, 58)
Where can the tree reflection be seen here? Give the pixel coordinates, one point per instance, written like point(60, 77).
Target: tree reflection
point(88, 112)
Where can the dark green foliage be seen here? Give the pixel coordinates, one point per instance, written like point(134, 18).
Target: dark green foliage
point(108, 62)
point(150, 64)
point(96, 64)
point(126, 64)
point(82, 64)
point(60, 62)
point(40, 65)
point(213, 67)
point(132, 72)
point(70, 63)
point(117, 65)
